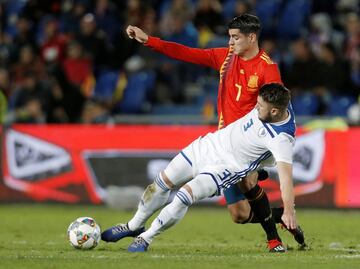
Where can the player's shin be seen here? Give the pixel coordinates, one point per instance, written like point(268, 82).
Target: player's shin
point(154, 197)
point(276, 213)
point(260, 206)
point(169, 216)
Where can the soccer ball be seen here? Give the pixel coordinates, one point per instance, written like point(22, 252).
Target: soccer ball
point(84, 233)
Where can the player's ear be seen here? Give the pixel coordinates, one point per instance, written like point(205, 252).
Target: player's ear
point(252, 37)
point(274, 111)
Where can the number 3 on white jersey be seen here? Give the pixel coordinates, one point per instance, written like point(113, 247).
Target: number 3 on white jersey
point(248, 125)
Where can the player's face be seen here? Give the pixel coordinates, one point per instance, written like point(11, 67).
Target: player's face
point(241, 43)
point(265, 110)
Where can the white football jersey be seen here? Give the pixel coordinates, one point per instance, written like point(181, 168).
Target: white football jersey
point(243, 146)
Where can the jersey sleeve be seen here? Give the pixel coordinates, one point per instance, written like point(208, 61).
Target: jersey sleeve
point(272, 74)
point(208, 57)
point(282, 148)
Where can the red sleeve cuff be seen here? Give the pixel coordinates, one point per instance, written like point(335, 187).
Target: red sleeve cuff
point(152, 41)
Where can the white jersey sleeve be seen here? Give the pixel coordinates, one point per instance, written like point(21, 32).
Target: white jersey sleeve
point(282, 148)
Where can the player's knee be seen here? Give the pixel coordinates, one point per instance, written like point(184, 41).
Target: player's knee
point(163, 182)
point(184, 195)
point(238, 213)
point(239, 217)
point(167, 180)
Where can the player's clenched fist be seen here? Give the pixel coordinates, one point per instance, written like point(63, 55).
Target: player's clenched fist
point(136, 33)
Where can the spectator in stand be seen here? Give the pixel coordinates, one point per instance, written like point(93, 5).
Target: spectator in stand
point(325, 6)
point(335, 73)
point(6, 49)
point(343, 9)
point(173, 75)
point(123, 47)
point(4, 93)
point(150, 23)
point(28, 62)
point(95, 112)
point(71, 17)
point(322, 32)
point(4, 82)
point(134, 12)
point(272, 49)
point(3, 16)
point(355, 70)
point(76, 66)
point(169, 22)
point(208, 15)
point(29, 104)
point(58, 110)
point(66, 94)
point(242, 7)
point(106, 17)
point(93, 41)
point(302, 73)
point(36, 10)
point(24, 35)
point(352, 41)
point(52, 49)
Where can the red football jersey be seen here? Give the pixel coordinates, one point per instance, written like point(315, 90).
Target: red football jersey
point(240, 80)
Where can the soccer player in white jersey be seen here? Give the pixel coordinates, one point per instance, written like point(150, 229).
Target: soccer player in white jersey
point(263, 137)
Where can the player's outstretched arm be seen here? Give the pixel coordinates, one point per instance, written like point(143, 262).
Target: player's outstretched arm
point(206, 57)
point(287, 194)
point(136, 33)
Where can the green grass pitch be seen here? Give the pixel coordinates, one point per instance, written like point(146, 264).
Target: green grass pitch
point(34, 236)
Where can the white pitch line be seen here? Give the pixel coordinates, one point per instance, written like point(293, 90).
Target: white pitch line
point(345, 249)
point(357, 256)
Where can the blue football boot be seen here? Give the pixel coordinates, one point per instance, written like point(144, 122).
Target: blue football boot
point(118, 232)
point(139, 245)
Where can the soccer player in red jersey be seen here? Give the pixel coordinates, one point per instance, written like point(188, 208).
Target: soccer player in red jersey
point(243, 68)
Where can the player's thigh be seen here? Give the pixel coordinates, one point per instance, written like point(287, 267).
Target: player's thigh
point(237, 204)
point(202, 186)
point(178, 171)
point(248, 182)
point(233, 194)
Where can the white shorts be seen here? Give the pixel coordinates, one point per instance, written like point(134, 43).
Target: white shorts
point(205, 161)
point(189, 166)
point(180, 171)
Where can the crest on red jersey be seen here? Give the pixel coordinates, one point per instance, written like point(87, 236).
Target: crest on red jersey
point(253, 82)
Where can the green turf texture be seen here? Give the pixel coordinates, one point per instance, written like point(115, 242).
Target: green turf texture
point(34, 236)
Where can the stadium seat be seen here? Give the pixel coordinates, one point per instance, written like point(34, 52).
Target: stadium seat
point(218, 41)
point(340, 105)
point(176, 110)
point(165, 6)
point(268, 11)
point(12, 10)
point(105, 84)
point(228, 9)
point(136, 92)
point(306, 104)
point(293, 18)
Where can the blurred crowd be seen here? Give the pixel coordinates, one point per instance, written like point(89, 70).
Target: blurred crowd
point(70, 61)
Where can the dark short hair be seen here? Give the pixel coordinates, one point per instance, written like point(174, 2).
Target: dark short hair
point(246, 23)
point(275, 94)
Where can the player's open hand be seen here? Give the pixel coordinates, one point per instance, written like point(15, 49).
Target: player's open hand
point(136, 33)
point(289, 219)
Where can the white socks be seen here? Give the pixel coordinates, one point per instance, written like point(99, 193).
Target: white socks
point(154, 197)
point(169, 216)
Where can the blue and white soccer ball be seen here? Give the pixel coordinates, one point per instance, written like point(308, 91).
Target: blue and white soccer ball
point(84, 233)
